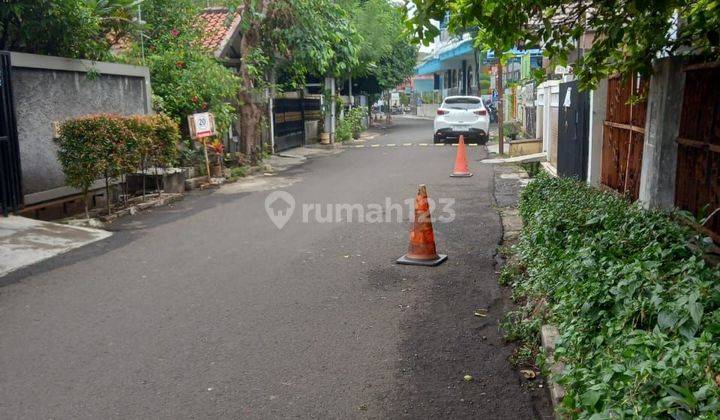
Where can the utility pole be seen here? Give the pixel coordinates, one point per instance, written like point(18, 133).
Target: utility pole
point(501, 106)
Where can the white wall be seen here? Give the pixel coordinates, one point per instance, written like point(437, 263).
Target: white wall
point(598, 105)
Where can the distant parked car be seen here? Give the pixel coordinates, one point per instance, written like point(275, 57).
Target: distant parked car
point(462, 115)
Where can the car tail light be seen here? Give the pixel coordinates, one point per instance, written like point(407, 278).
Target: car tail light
point(442, 112)
point(480, 112)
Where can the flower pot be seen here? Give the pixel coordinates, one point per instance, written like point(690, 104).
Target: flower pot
point(325, 138)
point(216, 171)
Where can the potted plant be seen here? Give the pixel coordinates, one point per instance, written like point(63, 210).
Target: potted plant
point(216, 169)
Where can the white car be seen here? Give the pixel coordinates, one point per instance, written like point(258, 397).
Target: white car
point(462, 115)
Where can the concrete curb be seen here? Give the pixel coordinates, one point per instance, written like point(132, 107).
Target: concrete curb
point(416, 117)
point(547, 166)
point(549, 336)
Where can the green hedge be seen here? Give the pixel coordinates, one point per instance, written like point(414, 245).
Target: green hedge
point(105, 146)
point(636, 304)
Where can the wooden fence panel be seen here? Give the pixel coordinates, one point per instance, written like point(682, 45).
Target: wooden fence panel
point(697, 181)
point(623, 134)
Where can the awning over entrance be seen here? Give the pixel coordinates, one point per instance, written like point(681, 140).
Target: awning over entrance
point(444, 53)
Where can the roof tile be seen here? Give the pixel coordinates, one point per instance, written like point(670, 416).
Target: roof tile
point(216, 29)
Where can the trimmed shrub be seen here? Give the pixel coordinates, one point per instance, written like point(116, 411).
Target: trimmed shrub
point(106, 146)
point(634, 300)
point(93, 147)
point(165, 141)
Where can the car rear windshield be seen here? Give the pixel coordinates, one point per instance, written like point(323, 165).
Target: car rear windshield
point(463, 103)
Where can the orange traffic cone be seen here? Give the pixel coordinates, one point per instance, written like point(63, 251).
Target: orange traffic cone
point(461, 163)
point(422, 239)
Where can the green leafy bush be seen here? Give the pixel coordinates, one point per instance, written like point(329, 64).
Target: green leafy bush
point(106, 146)
point(190, 80)
point(344, 130)
point(351, 125)
point(165, 140)
point(93, 147)
point(355, 117)
point(142, 132)
point(238, 171)
point(636, 304)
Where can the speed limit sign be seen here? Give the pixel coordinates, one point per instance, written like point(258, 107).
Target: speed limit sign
point(201, 125)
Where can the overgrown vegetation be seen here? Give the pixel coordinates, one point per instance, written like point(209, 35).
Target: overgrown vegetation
point(637, 306)
point(106, 146)
point(352, 125)
point(185, 76)
point(68, 28)
point(344, 131)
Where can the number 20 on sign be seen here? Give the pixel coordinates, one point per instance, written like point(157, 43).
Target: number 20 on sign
point(201, 125)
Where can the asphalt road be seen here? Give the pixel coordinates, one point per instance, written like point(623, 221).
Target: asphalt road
point(208, 310)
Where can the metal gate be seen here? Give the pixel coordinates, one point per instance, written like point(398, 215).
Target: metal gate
point(10, 187)
point(288, 123)
point(573, 138)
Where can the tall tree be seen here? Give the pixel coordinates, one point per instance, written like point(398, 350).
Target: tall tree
point(315, 36)
point(387, 55)
point(387, 51)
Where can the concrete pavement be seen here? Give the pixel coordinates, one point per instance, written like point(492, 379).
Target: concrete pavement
point(26, 241)
point(207, 310)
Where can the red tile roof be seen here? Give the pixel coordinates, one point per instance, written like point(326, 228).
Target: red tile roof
point(216, 29)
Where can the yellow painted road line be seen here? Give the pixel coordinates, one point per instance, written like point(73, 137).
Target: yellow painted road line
point(422, 144)
point(454, 144)
point(439, 144)
point(472, 144)
point(374, 145)
point(407, 144)
point(390, 145)
point(359, 146)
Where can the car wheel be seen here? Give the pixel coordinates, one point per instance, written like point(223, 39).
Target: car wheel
point(483, 140)
point(437, 139)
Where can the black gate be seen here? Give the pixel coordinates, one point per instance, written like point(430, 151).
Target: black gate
point(289, 123)
point(573, 134)
point(10, 189)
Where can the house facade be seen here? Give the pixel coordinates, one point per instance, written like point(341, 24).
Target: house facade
point(456, 67)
